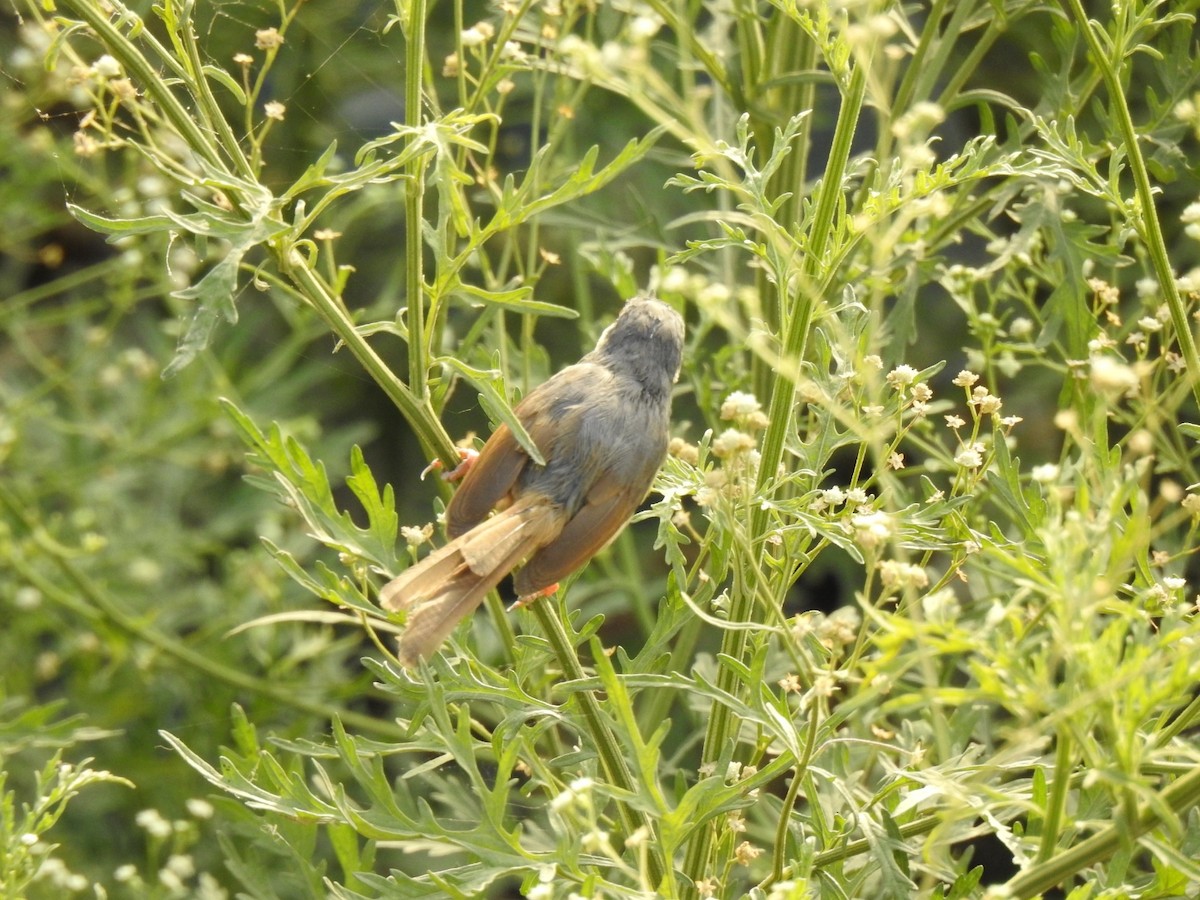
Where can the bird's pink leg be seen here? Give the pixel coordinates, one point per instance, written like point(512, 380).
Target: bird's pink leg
point(467, 458)
point(522, 602)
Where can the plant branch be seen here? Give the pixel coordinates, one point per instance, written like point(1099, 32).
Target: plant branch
point(1151, 230)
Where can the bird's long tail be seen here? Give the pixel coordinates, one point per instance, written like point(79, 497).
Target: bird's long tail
point(448, 585)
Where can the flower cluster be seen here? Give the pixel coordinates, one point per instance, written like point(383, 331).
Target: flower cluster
point(736, 448)
point(475, 40)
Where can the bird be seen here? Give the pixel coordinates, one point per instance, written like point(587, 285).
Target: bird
point(602, 425)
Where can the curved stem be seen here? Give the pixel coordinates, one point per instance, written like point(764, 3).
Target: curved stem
point(1150, 229)
point(428, 428)
point(1180, 796)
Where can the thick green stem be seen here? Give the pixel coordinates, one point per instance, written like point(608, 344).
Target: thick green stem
point(207, 103)
point(414, 196)
point(1149, 227)
point(428, 428)
point(144, 75)
point(608, 748)
point(1056, 803)
point(1179, 797)
point(797, 321)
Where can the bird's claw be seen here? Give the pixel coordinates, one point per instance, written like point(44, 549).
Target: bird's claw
point(527, 599)
point(467, 459)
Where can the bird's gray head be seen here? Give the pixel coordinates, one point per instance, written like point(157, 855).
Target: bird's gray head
point(646, 341)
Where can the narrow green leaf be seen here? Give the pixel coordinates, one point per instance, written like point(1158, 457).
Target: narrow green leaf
point(118, 228)
point(495, 404)
point(227, 81)
point(517, 299)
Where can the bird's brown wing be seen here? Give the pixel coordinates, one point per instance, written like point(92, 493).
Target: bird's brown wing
point(608, 506)
point(490, 480)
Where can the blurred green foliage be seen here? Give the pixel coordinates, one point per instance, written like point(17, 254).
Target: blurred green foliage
point(849, 202)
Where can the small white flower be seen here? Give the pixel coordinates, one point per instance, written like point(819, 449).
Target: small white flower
point(1047, 473)
point(901, 377)
point(969, 456)
point(713, 294)
point(181, 864)
point(1150, 323)
point(154, 823)
point(731, 442)
point(739, 405)
point(965, 378)
point(941, 606)
point(640, 836)
point(872, 529)
point(27, 597)
point(1112, 376)
point(643, 28)
point(201, 809)
point(107, 67)
point(477, 35)
point(1021, 327)
point(834, 496)
point(895, 574)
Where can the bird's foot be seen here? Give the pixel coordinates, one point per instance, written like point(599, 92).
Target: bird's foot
point(527, 599)
point(467, 459)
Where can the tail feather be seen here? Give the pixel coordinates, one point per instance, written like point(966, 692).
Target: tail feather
point(448, 585)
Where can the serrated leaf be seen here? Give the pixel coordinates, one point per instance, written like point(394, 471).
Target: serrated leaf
point(214, 294)
point(303, 484)
point(495, 404)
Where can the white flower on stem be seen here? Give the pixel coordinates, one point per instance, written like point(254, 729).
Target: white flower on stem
point(965, 378)
point(901, 377)
point(1047, 473)
point(970, 456)
point(872, 529)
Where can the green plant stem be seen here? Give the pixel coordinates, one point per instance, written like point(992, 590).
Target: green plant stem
point(143, 74)
point(105, 609)
point(427, 426)
point(1181, 795)
point(797, 321)
point(790, 51)
point(1179, 724)
point(785, 814)
point(214, 119)
point(608, 749)
point(1056, 803)
point(1150, 229)
point(932, 54)
point(414, 196)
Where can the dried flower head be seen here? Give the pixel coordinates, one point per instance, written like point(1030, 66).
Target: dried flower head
point(268, 39)
point(732, 442)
